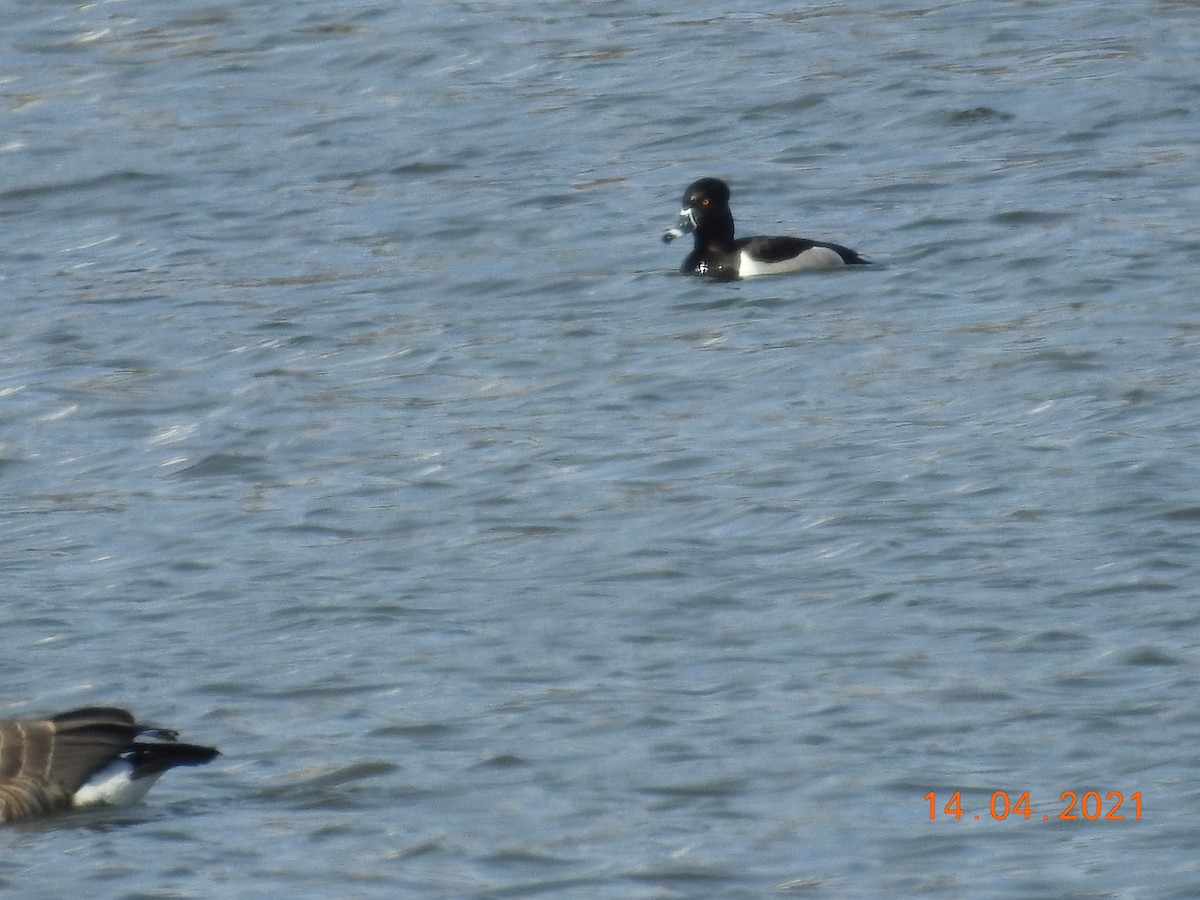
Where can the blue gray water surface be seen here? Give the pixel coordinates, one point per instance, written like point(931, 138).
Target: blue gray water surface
point(354, 419)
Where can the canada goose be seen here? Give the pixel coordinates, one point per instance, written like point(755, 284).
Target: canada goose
point(89, 756)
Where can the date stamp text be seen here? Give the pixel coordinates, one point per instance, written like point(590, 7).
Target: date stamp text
point(1073, 806)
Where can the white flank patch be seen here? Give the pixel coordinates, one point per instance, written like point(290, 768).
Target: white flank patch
point(113, 786)
point(812, 258)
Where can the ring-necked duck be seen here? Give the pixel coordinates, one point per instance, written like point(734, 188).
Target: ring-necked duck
point(718, 255)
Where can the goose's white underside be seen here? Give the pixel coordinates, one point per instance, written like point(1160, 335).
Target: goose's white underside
point(812, 258)
point(113, 786)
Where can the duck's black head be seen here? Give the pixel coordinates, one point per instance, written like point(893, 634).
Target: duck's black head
point(705, 212)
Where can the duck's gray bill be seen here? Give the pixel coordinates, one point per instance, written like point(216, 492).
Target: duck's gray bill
point(687, 224)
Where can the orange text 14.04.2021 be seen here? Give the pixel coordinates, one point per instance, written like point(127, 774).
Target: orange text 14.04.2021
point(1073, 806)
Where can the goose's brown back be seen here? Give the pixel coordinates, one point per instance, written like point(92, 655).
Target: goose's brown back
point(43, 762)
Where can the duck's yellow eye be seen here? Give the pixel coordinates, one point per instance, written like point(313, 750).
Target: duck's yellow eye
point(705, 202)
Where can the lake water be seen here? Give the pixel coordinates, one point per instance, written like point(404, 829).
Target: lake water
point(353, 418)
